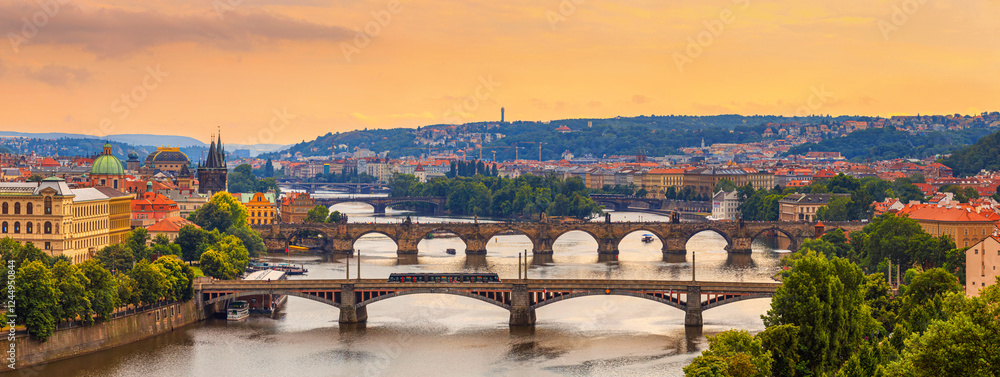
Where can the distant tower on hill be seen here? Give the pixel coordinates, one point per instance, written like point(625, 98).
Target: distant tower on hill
point(501, 115)
point(212, 172)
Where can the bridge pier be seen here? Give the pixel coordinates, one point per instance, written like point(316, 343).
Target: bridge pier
point(350, 312)
point(692, 316)
point(406, 246)
point(521, 312)
point(740, 245)
point(475, 246)
point(379, 208)
point(608, 245)
point(674, 245)
point(543, 246)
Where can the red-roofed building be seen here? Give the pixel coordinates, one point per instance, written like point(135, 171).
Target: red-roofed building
point(153, 206)
point(170, 227)
point(963, 225)
point(48, 162)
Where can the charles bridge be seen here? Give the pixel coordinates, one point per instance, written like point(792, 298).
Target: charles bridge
point(381, 202)
point(519, 296)
point(340, 237)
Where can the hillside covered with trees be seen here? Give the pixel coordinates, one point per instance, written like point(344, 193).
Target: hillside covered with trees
point(889, 143)
point(984, 154)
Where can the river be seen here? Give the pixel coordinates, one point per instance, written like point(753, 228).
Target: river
point(435, 335)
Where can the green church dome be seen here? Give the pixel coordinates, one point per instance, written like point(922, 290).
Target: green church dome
point(107, 164)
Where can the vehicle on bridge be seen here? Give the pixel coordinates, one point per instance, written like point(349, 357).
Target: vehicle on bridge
point(443, 278)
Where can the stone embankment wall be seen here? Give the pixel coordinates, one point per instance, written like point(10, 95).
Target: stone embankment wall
point(82, 340)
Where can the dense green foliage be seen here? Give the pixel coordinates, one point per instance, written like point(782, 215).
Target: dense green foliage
point(471, 168)
point(222, 213)
point(322, 214)
point(889, 143)
point(762, 205)
point(827, 318)
point(524, 197)
point(50, 290)
point(984, 154)
point(242, 179)
point(226, 259)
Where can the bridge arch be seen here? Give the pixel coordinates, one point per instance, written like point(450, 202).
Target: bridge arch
point(694, 232)
point(239, 294)
point(659, 237)
point(331, 203)
point(535, 245)
point(428, 236)
point(675, 303)
point(729, 299)
point(446, 291)
point(793, 242)
point(597, 240)
point(354, 242)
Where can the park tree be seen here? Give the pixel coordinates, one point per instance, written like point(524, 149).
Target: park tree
point(252, 240)
point(128, 292)
point(732, 353)
point(317, 214)
point(150, 283)
point(37, 299)
point(901, 240)
point(825, 299)
point(179, 277)
point(102, 289)
point(217, 265)
point(194, 241)
point(116, 258)
point(226, 259)
point(335, 217)
point(962, 345)
point(220, 213)
point(73, 299)
point(161, 239)
point(137, 241)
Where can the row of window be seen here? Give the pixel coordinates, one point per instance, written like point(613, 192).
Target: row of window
point(29, 208)
point(29, 227)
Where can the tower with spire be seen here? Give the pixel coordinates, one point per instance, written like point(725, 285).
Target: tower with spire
point(212, 171)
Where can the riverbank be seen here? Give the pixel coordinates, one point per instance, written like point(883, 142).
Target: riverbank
point(31, 355)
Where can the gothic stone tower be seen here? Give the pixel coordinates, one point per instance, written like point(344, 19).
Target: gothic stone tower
point(212, 172)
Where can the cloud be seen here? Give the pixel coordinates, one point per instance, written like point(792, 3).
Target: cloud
point(57, 75)
point(111, 32)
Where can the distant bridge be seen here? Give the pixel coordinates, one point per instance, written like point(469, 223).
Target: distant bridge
point(311, 187)
point(625, 203)
point(519, 296)
point(340, 238)
point(381, 202)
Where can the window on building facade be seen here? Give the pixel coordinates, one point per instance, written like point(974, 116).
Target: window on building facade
point(29, 208)
point(48, 246)
point(17, 208)
point(17, 227)
point(47, 229)
point(28, 227)
point(4, 225)
point(48, 205)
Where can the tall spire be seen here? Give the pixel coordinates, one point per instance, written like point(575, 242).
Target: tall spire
point(221, 151)
point(210, 161)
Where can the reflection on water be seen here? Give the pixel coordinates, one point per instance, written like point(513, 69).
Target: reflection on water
point(428, 334)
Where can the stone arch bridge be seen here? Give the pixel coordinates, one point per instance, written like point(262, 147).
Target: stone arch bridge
point(381, 202)
point(520, 296)
point(340, 238)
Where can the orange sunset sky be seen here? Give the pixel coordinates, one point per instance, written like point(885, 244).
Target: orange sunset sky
point(338, 65)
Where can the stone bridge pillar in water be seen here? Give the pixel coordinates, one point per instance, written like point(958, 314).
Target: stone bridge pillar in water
point(675, 245)
point(379, 208)
point(521, 312)
point(740, 245)
point(475, 245)
point(608, 245)
point(341, 245)
point(693, 315)
point(407, 245)
point(350, 312)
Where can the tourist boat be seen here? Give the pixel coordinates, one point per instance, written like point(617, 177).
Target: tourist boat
point(266, 303)
point(287, 268)
point(450, 251)
point(647, 238)
point(238, 311)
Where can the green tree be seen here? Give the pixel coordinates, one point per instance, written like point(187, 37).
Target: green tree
point(241, 179)
point(217, 265)
point(116, 258)
point(161, 239)
point(73, 299)
point(317, 214)
point(194, 241)
point(220, 213)
point(137, 241)
point(742, 354)
point(128, 292)
point(37, 299)
point(724, 185)
point(150, 284)
point(252, 240)
point(102, 289)
point(835, 210)
point(824, 298)
point(179, 277)
point(335, 217)
point(783, 343)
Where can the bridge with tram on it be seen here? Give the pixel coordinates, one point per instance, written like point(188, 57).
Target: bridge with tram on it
point(521, 297)
point(341, 237)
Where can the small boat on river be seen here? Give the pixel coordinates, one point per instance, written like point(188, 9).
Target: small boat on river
point(237, 311)
point(647, 238)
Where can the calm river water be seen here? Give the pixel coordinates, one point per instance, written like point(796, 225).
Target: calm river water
point(442, 335)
